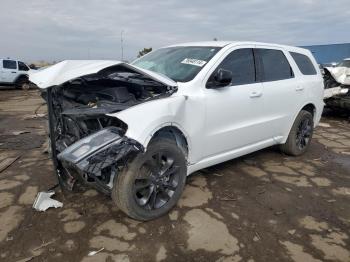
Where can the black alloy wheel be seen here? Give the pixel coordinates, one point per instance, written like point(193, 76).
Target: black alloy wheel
point(303, 133)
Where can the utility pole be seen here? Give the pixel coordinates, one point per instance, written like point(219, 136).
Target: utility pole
point(121, 44)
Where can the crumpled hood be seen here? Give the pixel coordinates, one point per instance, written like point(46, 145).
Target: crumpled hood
point(71, 69)
point(340, 74)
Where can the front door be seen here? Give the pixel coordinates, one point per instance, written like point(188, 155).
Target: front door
point(235, 114)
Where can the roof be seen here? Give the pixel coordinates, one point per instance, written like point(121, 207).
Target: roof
point(205, 43)
point(225, 43)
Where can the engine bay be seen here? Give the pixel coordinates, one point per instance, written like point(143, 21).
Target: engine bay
point(78, 109)
point(80, 106)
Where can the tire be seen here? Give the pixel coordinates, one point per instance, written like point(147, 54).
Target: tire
point(143, 190)
point(22, 83)
point(299, 138)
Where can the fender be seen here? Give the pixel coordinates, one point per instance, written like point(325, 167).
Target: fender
point(145, 119)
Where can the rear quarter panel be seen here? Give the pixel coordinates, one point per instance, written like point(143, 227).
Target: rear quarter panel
point(313, 88)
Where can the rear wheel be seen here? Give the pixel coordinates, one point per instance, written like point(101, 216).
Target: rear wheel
point(300, 135)
point(152, 183)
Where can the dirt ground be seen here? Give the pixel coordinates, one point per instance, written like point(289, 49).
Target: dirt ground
point(262, 207)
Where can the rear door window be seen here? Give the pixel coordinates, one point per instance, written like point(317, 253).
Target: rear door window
point(304, 63)
point(9, 64)
point(241, 63)
point(272, 65)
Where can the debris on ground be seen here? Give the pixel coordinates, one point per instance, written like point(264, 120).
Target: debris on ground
point(256, 237)
point(7, 162)
point(278, 213)
point(16, 133)
point(27, 259)
point(44, 245)
point(26, 117)
point(324, 124)
point(43, 201)
point(291, 232)
point(92, 253)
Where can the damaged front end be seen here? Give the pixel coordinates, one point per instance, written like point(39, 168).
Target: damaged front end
point(87, 144)
point(97, 158)
point(337, 86)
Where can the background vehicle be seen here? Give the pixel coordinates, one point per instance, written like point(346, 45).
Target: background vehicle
point(136, 131)
point(337, 85)
point(14, 73)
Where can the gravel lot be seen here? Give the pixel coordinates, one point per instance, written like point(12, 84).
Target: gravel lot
point(262, 207)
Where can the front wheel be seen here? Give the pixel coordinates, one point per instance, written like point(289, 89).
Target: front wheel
point(300, 135)
point(152, 182)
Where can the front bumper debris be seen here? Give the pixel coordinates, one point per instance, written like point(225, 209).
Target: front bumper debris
point(43, 201)
point(97, 158)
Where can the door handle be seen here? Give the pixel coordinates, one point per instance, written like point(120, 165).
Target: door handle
point(299, 88)
point(255, 94)
point(13, 72)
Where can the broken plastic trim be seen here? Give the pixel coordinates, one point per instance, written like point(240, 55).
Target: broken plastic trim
point(90, 155)
point(43, 201)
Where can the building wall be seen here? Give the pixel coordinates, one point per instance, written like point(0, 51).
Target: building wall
point(330, 53)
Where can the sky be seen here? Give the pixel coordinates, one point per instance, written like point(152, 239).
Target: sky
point(54, 30)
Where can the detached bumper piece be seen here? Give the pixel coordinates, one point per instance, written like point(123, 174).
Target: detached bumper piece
point(43, 201)
point(96, 159)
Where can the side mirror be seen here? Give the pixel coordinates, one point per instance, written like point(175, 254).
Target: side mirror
point(222, 78)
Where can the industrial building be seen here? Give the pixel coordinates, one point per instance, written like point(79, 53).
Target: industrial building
point(325, 54)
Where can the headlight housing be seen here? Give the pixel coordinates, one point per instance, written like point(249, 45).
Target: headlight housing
point(90, 145)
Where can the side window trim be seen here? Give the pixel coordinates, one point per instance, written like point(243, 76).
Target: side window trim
point(259, 70)
point(227, 55)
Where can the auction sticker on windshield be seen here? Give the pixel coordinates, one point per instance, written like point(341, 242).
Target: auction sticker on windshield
point(195, 62)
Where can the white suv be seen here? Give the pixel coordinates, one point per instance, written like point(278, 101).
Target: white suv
point(135, 131)
point(13, 72)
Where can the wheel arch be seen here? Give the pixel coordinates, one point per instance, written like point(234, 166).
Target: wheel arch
point(310, 107)
point(21, 76)
point(173, 132)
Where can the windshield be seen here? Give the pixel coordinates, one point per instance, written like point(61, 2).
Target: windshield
point(181, 63)
point(344, 63)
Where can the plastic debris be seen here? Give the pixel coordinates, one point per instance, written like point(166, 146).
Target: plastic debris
point(92, 253)
point(324, 124)
point(291, 232)
point(33, 116)
point(16, 133)
point(43, 201)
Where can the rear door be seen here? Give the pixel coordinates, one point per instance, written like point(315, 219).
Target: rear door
point(9, 71)
point(282, 92)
